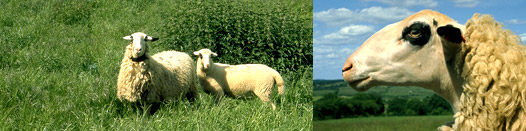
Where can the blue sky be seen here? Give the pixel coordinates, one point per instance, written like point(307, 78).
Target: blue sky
point(341, 26)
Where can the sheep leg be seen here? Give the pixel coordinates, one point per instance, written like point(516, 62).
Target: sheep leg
point(265, 97)
point(191, 96)
point(218, 95)
point(154, 107)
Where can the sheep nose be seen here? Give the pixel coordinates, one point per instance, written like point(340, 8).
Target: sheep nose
point(138, 49)
point(348, 65)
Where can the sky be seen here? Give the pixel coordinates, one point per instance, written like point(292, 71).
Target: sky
point(341, 26)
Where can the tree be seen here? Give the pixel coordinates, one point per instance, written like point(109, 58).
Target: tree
point(438, 106)
point(333, 107)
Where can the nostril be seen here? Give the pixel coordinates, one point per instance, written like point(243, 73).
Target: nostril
point(347, 67)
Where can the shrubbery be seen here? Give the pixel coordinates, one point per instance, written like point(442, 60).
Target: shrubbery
point(433, 105)
point(275, 33)
point(332, 106)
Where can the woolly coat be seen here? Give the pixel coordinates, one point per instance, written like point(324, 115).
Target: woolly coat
point(165, 75)
point(493, 65)
point(239, 80)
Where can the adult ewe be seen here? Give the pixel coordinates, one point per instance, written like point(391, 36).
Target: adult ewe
point(237, 80)
point(479, 69)
point(150, 80)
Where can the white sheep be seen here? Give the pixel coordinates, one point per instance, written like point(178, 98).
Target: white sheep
point(163, 76)
point(480, 68)
point(237, 80)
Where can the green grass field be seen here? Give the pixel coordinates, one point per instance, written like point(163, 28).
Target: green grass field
point(59, 62)
point(406, 123)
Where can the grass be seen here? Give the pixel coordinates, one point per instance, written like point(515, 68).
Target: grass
point(60, 62)
point(413, 123)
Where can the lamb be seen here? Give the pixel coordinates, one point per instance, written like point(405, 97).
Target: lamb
point(164, 76)
point(478, 68)
point(237, 80)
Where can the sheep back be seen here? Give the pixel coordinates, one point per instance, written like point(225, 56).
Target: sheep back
point(239, 80)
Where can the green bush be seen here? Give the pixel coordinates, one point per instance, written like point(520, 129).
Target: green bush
point(332, 106)
point(361, 105)
point(275, 33)
point(432, 105)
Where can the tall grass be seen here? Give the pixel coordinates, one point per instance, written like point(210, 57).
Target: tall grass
point(59, 62)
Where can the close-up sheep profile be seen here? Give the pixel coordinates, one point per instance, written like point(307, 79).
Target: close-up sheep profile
point(237, 81)
point(151, 79)
point(479, 67)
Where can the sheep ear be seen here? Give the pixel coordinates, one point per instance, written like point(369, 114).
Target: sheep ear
point(451, 33)
point(196, 52)
point(127, 37)
point(149, 38)
point(214, 54)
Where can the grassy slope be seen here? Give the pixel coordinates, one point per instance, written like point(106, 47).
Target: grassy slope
point(60, 62)
point(413, 123)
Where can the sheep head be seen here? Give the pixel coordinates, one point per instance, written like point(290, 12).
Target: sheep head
point(204, 56)
point(138, 43)
point(413, 52)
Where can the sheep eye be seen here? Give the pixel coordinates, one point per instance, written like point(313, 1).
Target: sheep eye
point(415, 33)
point(418, 33)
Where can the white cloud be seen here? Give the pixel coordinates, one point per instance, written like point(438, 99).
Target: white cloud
point(523, 37)
point(516, 21)
point(409, 3)
point(321, 53)
point(356, 30)
point(343, 16)
point(466, 3)
point(328, 60)
point(332, 55)
point(346, 35)
point(324, 49)
point(333, 51)
point(349, 31)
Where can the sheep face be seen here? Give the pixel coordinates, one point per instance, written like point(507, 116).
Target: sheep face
point(204, 56)
point(413, 52)
point(138, 42)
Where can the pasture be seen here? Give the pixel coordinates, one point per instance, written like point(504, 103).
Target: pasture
point(59, 62)
point(401, 123)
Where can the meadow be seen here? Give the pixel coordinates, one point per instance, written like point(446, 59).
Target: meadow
point(401, 123)
point(59, 62)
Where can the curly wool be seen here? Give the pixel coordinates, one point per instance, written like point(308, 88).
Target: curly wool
point(165, 75)
point(493, 65)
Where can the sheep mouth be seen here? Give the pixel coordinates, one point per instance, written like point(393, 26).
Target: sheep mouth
point(139, 59)
point(360, 84)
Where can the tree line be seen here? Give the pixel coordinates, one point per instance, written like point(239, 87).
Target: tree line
point(332, 106)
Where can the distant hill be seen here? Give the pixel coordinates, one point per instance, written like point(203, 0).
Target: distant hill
point(322, 87)
point(329, 84)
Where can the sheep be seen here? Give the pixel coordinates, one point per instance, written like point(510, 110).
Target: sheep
point(164, 76)
point(237, 81)
point(478, 68)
